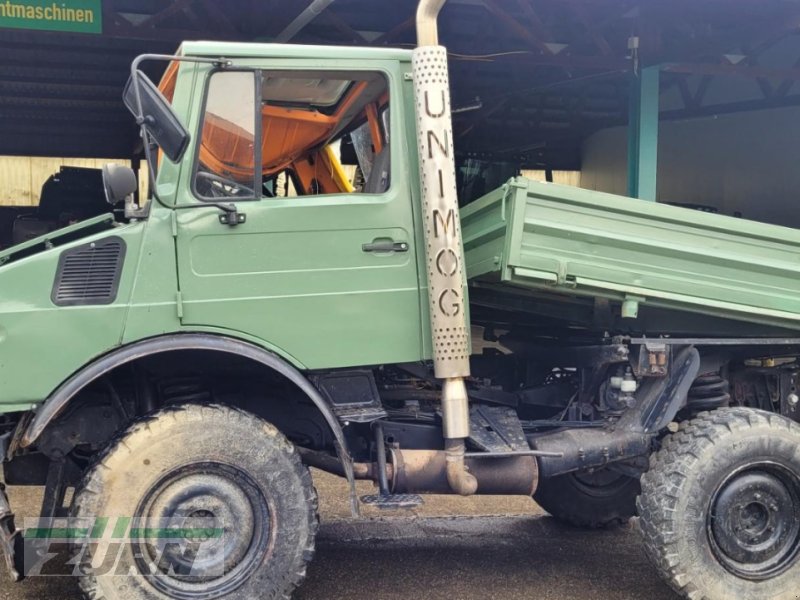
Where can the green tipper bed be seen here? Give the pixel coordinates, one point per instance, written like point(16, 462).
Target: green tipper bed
point(547, 237)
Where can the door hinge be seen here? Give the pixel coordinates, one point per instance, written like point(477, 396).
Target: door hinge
point(179, 304)
point(174, 220)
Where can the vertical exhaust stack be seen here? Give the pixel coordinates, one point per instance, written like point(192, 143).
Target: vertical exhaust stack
point(443, 247)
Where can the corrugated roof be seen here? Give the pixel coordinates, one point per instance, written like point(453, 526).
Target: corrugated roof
point(533, 77)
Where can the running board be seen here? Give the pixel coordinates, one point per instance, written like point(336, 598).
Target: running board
point(393, 501)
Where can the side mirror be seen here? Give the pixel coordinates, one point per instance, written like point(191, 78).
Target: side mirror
point(120, 184)
point(156, 115)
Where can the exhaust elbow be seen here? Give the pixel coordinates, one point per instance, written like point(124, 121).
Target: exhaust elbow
point(460, 480)
point(427, 13)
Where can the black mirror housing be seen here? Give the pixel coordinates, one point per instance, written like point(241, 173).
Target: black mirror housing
point(156, 116)
point(119, 182)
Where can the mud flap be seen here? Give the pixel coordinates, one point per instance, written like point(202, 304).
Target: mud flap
point(10, 538)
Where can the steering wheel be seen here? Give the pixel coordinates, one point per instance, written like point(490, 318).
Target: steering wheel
point(223, 187)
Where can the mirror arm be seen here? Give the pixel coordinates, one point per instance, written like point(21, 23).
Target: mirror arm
point(220, 62)
point(231, 215)
point(133, 211)
point(148, 158)
point(228, 209)
point(141, 121)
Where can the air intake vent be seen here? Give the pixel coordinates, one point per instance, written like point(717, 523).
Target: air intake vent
point(89, 274)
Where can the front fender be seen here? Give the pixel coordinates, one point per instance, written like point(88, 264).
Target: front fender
point(62, 396)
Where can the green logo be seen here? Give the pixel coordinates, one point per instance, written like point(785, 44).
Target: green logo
point(72, 546)
point(81, 16)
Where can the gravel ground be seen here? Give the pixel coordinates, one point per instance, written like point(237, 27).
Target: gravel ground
point(450, 548)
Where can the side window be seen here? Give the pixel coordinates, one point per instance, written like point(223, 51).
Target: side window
point(227, 154)
point(324, 132)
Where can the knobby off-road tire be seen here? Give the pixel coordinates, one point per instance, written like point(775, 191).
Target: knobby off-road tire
point(589, 500)
point(720, 507)
point(212, 462)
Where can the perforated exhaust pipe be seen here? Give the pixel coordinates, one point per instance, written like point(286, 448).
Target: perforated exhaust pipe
point(443, 246)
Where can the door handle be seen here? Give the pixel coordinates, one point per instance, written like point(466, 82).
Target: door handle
point(385, 245)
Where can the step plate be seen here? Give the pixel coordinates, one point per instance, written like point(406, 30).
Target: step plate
point(393, 501)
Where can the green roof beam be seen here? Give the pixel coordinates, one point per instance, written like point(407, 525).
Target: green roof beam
point(643, 134)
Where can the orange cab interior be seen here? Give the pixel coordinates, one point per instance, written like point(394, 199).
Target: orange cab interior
point(295, 139)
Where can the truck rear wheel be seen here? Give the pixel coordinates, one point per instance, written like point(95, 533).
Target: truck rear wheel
point(720, 507)
point(253, 500)
point(603, 498)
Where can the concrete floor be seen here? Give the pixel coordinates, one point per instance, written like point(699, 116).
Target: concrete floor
point(448, 549)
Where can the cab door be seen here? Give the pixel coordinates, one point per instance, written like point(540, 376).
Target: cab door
point(325, 279)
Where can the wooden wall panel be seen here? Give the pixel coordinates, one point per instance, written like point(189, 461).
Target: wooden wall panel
point(15, 181)
point(21, 177)
point(572, 178)
point(41, 169)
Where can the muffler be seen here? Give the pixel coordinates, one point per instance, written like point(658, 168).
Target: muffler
point(425, 472)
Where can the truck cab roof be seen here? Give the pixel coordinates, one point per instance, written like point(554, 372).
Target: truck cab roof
point(256, 50)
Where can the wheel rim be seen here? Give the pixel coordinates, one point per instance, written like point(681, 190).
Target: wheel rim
point(753, 521)
point(201, 531)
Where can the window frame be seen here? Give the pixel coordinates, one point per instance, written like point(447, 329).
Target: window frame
point(258, 172)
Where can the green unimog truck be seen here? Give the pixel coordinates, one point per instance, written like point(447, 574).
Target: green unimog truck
point(170, 370)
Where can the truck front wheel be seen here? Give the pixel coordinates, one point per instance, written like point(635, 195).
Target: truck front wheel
point(196, 502)
point(602, 498)
point(720, 507)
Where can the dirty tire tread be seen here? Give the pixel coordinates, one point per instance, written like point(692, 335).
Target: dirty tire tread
point(682, 455)
point(199, 412)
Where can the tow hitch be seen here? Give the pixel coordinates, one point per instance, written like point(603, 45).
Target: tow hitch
point(10, 538)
